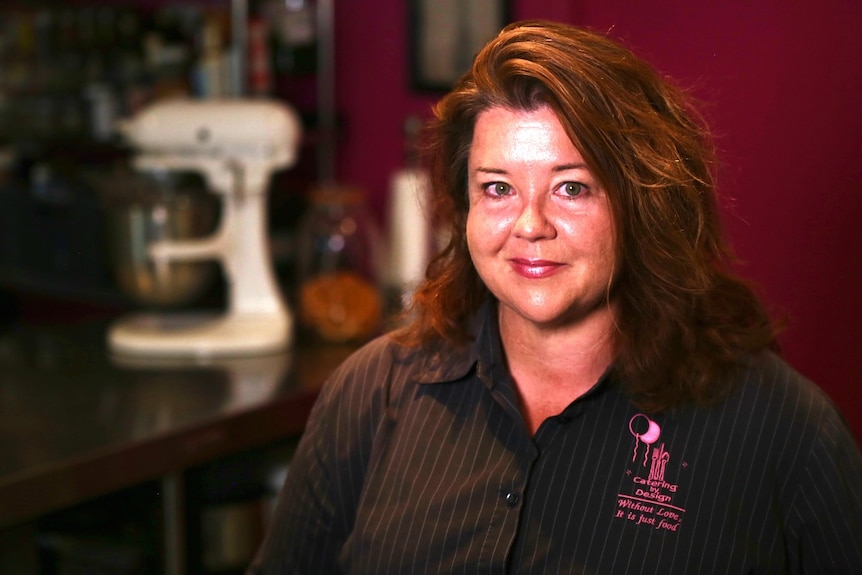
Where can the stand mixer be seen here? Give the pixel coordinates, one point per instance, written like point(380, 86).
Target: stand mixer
point(236, 145)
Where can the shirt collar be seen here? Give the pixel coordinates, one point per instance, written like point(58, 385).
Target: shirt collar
point(449, 363)
point(484, 353)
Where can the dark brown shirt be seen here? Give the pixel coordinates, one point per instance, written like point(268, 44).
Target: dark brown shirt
point(421, 463)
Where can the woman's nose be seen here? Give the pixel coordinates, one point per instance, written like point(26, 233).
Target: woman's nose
point(533, 222)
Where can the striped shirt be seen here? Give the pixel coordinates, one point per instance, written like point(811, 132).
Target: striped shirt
point(417, 463)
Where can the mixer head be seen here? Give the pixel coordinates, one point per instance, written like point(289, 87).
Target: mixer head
point(185, 134)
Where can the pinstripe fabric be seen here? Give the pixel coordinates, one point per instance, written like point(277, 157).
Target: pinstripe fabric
point(421, 464)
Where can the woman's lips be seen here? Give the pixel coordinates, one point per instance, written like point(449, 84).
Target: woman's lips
point(535, 269)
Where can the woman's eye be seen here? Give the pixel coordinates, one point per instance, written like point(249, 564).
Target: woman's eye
point(573, 189)
point(499, 189)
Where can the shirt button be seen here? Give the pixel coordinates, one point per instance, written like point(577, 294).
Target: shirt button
point(512, 499)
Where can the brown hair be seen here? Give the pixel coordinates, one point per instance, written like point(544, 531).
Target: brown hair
point(685, 320)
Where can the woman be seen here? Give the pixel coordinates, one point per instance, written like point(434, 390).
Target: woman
point(584, 386)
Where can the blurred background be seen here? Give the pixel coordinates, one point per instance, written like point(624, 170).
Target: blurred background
point(779, 81)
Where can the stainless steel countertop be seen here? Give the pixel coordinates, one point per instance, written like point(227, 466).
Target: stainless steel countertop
point(77, 422)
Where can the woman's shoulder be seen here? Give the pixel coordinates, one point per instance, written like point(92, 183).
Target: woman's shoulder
point(385, 358)
point(380, 375)
point(378, 352)
point(774, 415)
point(772, 391)
point(771, 382)
point(366, 368)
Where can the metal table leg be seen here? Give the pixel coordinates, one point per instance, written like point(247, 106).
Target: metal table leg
point(174, 523)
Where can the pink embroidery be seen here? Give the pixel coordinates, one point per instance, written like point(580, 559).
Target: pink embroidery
point(659, 461)
point(647, 497)
point(651, 433)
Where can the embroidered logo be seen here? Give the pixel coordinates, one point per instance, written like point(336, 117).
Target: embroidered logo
point(647, 495)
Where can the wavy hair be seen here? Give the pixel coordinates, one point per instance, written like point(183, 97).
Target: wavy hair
point(685, 318)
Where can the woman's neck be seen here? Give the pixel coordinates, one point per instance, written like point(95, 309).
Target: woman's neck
point(551, 367)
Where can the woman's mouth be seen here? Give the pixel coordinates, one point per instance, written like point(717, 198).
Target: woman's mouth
point(534, 269)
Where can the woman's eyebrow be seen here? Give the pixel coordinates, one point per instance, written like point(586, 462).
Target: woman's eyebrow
point(564, 167)
point(490, 170)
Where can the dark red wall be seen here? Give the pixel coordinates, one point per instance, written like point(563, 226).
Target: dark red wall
point(781, 81)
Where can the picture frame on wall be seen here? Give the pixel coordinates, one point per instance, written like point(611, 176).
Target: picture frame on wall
point(445, 36)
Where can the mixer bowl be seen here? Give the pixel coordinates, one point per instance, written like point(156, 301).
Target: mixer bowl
point(144, 207)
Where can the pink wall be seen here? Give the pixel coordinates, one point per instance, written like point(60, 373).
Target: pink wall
point(781, 81)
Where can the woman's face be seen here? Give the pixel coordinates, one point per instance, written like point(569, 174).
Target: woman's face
point(539, 228)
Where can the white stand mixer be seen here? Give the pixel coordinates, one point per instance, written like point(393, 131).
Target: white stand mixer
point(236, 145)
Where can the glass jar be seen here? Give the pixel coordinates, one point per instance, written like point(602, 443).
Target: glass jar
point(339, 297)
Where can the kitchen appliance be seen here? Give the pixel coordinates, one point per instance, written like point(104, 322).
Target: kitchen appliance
point(236, 145)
